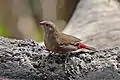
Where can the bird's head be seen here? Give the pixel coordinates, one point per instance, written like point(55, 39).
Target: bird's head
point(49, 26)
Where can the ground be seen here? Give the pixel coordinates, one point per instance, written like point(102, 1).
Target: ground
point(28, 59)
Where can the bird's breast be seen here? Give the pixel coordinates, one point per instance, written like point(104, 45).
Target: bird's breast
point(50, 42)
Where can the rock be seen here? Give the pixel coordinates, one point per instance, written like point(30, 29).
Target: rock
point(28, 59)
point(96, 22)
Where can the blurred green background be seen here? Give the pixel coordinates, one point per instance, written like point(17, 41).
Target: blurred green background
point(19, 18)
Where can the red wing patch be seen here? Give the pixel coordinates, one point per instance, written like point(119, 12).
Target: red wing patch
point(82, 45)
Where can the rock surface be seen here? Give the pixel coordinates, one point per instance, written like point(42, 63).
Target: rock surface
point(28, 60)
point(96, 22)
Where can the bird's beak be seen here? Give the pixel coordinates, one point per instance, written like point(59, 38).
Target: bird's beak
point(42, 23)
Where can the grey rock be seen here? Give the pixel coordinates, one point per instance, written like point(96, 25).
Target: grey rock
point(96, 22)
point(28, 59)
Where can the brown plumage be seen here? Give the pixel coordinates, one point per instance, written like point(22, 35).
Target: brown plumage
point(59, 42)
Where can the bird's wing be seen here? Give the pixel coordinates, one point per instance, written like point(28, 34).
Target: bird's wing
point(66, 39)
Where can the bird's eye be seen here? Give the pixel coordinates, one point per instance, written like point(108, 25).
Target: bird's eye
point(47, 24)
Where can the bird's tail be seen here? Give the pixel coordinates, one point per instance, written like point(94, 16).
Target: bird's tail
point(91, 48)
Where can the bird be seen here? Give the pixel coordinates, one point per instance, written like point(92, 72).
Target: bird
point(59, 42)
